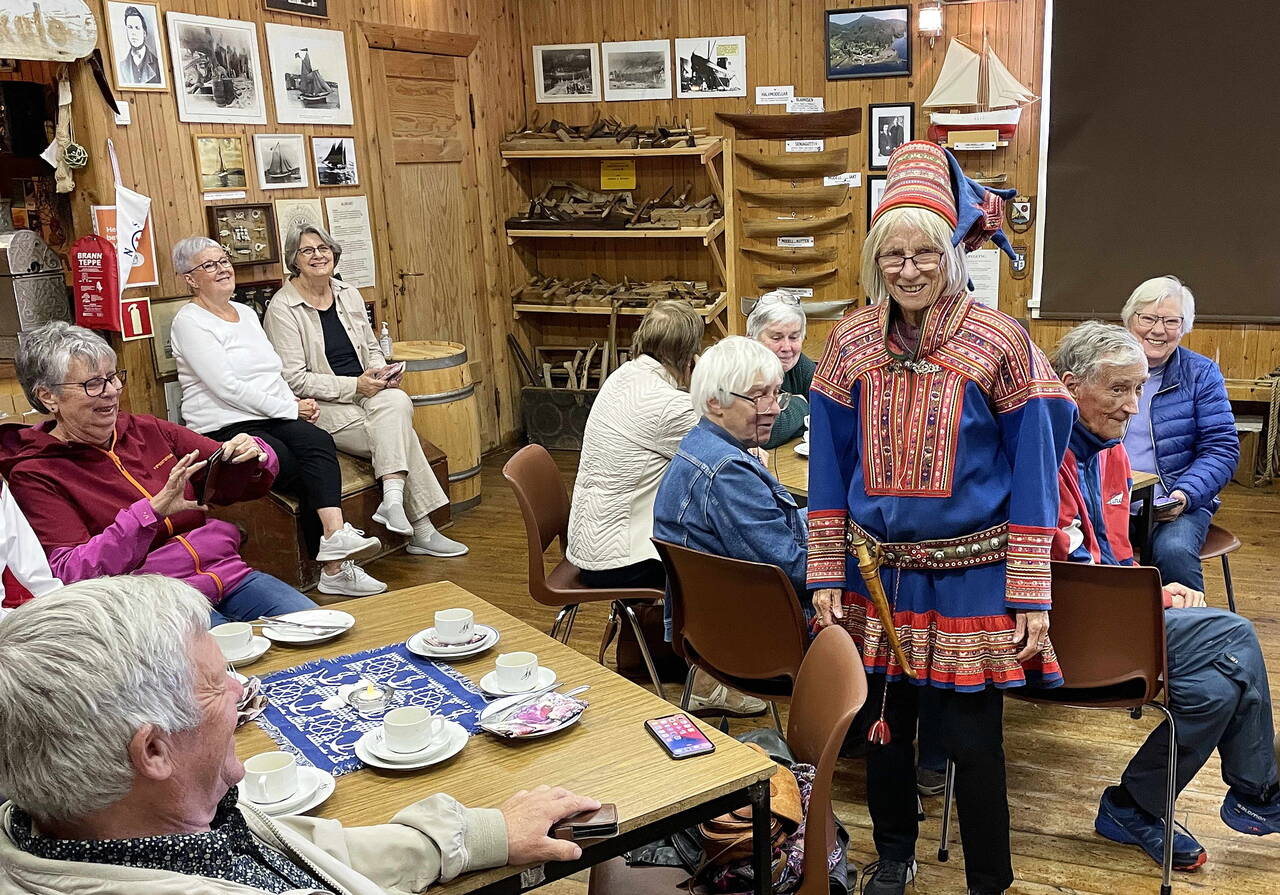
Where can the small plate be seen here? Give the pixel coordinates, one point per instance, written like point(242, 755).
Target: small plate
point(564, 725)
point(419, 646)
point(802, 449)
point(257, 649)
point(314, 787)
point(286, 634)
point(489, 683)
point(478, 634)
point(375, 741)
point(456, 740)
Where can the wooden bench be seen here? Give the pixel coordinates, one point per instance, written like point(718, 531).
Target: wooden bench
point(275, 543)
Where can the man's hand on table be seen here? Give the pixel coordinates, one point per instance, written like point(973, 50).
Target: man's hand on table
point(530, 815)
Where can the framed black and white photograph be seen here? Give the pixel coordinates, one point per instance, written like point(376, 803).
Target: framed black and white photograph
point(309, 75)
point(221, 161)
point(335, 159)
point(567, 73)
point(889, 126)
point(8, 65)
point(137, 46)
point(317, 8)
point(637, 69)
point(217, 73)
point(163, 310)
point(281, 160)
point(868, 43)
point(708, 67)
point(875, 192)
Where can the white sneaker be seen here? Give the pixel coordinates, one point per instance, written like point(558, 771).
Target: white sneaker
point(351, 581)
point(347, 543)
point(392, 517)
point(436, 545)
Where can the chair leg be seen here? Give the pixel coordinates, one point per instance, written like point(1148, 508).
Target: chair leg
point(565, 617)
point(948, 795)
point(1166, 884)
point(560, 617)
point(1226, 576)
point(777, 718)
point(644, 648)
point(688, 689)
point(610, 631)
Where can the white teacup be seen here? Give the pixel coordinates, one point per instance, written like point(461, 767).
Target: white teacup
point(233, 638)
point(517, 672)
point(454, 625)
point(806, 427)
point(270, 777)
point(411, 728)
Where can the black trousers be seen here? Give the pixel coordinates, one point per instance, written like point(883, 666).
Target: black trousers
point(972, 736)
point(646, 573)
point(308, 465)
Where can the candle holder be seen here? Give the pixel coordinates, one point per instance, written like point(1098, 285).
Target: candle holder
point(371, 700)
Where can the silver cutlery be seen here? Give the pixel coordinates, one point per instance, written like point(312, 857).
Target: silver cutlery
point(267, 621)
point(513, 704)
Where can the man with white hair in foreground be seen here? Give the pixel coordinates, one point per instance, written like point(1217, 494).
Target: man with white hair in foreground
point(119, 760)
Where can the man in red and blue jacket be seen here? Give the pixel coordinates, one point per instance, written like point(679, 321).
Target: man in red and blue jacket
point(1217, 685)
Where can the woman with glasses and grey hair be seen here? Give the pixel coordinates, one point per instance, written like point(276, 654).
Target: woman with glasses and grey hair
point(779, 324)
point(330, 356)
point(231, 384)
point(115, 493)
point(1184, 430)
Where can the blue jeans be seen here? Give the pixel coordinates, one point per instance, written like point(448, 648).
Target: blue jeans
point(258, 595)
point(1175, 548)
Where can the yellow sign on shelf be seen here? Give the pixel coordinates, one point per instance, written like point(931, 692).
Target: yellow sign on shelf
point(618, 174)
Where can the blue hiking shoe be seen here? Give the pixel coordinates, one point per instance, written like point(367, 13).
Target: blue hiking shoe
point(1250, 817)
point(1133, 826)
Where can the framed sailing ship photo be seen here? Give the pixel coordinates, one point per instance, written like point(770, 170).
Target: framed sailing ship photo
point(309, 75)
point(335, 159)
point(247, 232)
point(317, 8)
point(868, 43)
point(281, 161)
point(221, 161)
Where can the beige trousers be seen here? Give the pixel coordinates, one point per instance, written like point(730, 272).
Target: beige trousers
point(385, 434)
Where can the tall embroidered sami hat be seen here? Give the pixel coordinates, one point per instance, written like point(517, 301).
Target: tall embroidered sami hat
point(922, 174)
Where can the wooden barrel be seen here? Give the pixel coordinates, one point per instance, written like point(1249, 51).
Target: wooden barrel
point(445, 412)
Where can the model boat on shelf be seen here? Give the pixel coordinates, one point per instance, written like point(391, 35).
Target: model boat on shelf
point(960, 84)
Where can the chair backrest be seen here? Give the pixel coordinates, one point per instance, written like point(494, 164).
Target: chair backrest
point(1107, 628)
point(738, 618)
point(544, 504)
point(829, 691)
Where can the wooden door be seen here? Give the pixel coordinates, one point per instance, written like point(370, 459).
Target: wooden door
point(432, 211)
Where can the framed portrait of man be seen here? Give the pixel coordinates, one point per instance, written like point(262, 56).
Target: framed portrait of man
point(137, 45)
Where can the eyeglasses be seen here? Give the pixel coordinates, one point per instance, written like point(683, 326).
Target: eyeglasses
point(311, 251)
point(97, 386)
point(782, 399)
point(212, 267)
point(1151, 320)
point(923, 261)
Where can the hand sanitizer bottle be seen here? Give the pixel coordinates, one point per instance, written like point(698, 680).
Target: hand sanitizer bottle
point(384, 341)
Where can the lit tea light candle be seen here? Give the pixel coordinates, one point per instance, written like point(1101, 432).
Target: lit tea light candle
point(371, 701)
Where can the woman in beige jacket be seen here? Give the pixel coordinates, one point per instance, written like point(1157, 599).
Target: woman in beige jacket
point(320, 330)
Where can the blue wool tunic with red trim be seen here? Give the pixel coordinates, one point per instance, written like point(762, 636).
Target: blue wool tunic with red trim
point(963, 436)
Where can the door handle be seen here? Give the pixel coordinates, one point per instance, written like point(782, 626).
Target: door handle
point(403, 275)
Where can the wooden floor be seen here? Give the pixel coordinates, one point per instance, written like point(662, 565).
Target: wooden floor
point(1059, 760)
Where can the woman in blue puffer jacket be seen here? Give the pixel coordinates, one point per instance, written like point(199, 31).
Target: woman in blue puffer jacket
point(1184, 431)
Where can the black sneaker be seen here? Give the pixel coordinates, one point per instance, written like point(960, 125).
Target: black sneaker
point(886, 877)
point(930, 782)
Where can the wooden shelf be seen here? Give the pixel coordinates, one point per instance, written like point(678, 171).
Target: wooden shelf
point(706, 234)
point(520, 308)
point(707, 149)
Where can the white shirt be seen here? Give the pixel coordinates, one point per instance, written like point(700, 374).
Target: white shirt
point(634, 429)
point(228, 371)
point(20, 550)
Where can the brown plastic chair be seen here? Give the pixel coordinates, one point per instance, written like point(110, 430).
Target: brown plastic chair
point(1220, 542)
point(738, 621)
point(544, 504)
point(829, 690)
point(1107, 628)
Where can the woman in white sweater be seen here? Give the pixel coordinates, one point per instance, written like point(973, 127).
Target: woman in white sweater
point(231, 383)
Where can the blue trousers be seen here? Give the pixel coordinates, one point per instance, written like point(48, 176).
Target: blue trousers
point(258, 595)
point(1175, 548)
point(1220, 699)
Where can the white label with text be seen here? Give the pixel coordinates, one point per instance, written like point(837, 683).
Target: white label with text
point(795, 242)
point(774, 96)
point(806, 145)
point(848, 178)
point(805, 104)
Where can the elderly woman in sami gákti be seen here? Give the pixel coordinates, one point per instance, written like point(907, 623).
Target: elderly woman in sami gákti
point(926, 409)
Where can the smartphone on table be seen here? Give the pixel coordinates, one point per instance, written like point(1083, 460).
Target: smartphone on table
point(679, 736)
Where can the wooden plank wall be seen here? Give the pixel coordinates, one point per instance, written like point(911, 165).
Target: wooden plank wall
point(785, 46)
point(157, 159)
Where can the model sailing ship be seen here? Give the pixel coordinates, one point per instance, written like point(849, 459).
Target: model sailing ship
point(313, 89)
point(959, 84)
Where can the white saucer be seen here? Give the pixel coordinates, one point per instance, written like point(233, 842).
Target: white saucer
point(418, 645)
point(375, 741)
point(802, 449)
point(257, 648)
point(456, 739)
point(489, 683)
point(314, 787)
point(326, 617)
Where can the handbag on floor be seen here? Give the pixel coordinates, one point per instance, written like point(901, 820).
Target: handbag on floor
point(671, 668)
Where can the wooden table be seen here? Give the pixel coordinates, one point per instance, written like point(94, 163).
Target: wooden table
point(608, 755)
point(792, 471)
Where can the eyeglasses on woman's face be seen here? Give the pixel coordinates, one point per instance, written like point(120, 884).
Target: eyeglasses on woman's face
point(768, 398)
point(97, 386)
point(212, 267)
point(312, 251)
point(1150, 321)
point(894, 262)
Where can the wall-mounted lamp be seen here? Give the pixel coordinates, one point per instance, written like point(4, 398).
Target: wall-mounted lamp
point(929, 24)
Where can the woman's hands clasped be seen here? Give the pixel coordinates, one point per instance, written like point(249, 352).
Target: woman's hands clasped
point(308, 410)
